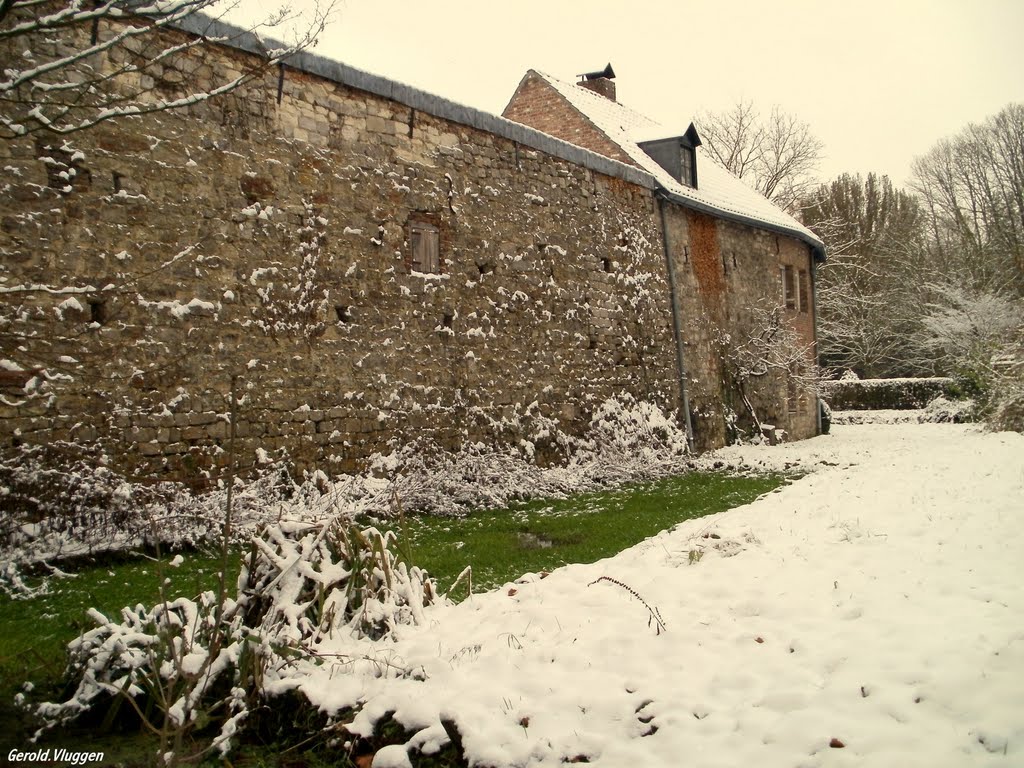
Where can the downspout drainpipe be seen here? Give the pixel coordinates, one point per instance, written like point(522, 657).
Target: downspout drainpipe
point(659, 193)
point(814, 331)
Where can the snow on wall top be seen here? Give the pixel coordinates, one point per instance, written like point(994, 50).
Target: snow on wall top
point(718, 192)
point(329, 69)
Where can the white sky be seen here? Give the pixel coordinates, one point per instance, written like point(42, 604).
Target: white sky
point(879, 81)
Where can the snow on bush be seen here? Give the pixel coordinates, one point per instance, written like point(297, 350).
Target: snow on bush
point(56, 507)
point(1006, 401)
point(884, 394)
point(627, 440)
point(303, 582)
point(185, 665)
point(940, 410)
point(881, 416)
point(980, 336)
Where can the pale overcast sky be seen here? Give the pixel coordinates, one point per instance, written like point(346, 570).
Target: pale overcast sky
point(879, 81)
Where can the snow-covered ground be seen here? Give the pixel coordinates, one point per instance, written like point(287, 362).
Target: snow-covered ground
point(869, 614)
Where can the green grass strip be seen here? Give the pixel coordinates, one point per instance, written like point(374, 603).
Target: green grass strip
point(542, 535)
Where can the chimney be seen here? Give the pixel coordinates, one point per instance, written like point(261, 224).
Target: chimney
point(600, 82)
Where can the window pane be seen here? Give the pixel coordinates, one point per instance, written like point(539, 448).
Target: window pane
point(686, 166)
point(788, 287)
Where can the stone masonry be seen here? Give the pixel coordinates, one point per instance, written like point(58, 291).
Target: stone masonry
point(728, 275)
point(267, 242)
point(263, 242)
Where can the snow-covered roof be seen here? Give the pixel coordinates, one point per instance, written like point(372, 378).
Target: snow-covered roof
point(718, 192)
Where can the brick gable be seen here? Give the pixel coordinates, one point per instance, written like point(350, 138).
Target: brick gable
point(537, 105)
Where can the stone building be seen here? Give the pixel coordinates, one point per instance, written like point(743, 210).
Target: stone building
point(367, 266)
point(736, 262)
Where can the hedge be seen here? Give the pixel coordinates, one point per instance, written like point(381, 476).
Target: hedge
point(885, 394)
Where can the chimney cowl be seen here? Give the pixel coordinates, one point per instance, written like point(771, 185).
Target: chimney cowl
point(600, 82)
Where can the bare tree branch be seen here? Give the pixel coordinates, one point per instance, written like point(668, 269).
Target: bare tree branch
point(973, 187)
point(777, 155)
point(868, 303)
point(69, 65)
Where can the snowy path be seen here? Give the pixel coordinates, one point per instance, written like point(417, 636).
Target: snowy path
point(878, 602)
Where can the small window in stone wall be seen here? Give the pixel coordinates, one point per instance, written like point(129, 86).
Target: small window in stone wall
point(425, 244)
point(789, 296)
point(64, 171)
point(98, 311)
point(805, 291)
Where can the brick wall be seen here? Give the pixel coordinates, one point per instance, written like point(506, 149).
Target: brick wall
point(536, 104)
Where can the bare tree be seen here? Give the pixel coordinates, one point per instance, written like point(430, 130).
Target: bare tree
point(868, 291)
point(777, 155)
point(68, 65)
point(973, 189)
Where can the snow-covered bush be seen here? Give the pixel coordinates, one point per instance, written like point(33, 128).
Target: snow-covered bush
point(49, 511)
point(92, 508)
point(188, 666)
point(180, 665)
point(943, 411)
point(980, 336)
point(61, 489)
point(627, 440)
point(303, 582)
point(630, 439)
point(1006, 403)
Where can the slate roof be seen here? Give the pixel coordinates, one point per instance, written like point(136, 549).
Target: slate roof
point(718, 191)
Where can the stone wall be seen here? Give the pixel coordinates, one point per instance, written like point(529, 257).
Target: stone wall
point(729, 283)
point(264, 239)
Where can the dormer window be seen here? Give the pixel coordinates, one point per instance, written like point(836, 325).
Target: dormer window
point(677, 155)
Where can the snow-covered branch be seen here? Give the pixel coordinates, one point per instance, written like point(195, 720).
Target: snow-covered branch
point(69, 66)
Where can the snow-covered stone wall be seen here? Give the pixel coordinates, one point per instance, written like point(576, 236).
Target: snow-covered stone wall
point(729, 283)
point(268, 237)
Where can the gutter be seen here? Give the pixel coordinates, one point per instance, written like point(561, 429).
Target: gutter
point(814, 340)
point(677, 323)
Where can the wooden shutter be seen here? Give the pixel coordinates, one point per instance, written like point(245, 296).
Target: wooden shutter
point(426, 251)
